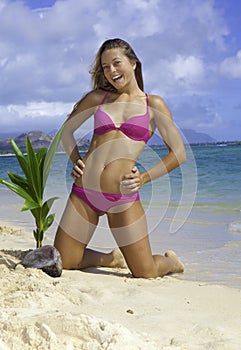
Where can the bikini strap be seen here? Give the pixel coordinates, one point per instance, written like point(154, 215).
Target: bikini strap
point(147, 100)
point(104, 98)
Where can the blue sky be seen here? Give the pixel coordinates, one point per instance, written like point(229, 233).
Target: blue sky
point(190, 50)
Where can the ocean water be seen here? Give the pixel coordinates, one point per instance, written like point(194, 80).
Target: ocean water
point(195, 210)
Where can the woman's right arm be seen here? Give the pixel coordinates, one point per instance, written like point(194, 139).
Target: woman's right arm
point(81, 112)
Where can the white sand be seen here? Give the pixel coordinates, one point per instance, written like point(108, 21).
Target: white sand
point(108, 309)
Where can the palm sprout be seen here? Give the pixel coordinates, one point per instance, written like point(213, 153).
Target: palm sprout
point(36, 168)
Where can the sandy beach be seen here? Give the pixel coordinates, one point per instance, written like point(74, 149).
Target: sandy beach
point(108, 309)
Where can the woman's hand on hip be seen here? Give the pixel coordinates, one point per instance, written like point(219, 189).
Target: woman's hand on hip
point(78, 168)
point(132, 182)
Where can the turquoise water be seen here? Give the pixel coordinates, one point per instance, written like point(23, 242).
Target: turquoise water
point(195, 210)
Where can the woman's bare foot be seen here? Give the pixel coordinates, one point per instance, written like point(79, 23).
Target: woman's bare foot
point(178, 266)
point(118, 259)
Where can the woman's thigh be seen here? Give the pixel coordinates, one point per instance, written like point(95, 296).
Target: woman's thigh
point(75, 230)
point(130, 231)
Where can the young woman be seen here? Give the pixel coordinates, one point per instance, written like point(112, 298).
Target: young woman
point(106, 179)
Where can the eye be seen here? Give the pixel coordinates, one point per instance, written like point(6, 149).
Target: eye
point(104, 67)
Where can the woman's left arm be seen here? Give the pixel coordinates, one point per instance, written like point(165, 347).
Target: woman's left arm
point(171, 136)
point(162, 120)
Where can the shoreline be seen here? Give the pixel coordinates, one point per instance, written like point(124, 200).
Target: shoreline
point(210, 254)
point(220, 143)
point(101, 308)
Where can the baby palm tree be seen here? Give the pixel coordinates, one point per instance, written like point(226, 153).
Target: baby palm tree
point(36, 168)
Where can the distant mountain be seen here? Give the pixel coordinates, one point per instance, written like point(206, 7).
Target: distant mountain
point(193, 137)
point(190, 136)
point(38, 139)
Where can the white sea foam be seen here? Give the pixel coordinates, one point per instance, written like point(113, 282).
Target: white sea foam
point(235, 227)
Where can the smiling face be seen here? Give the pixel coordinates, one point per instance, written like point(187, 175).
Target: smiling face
point(118, 69)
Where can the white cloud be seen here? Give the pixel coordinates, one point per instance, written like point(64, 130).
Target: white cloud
point(231, 66)
point(33, 115)
point(188, 68)
point(45, 54)
point(45, 116)
point(211, 22)
point(191, 113)
point(37, 109)
point(181, 75)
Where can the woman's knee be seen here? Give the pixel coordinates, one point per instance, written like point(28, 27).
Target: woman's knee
point(144, 272)
point(141, 268)
point(71, 260)
point(71, 251)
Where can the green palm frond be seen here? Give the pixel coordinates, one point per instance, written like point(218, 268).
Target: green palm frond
point(36, 168)
point(19, 180)
point(50, 154)
point(41, 155)
point(29, 202)
point(30, 205)
point(21, 158)
point(47, 206)
point(47, 222)
point(34, 174)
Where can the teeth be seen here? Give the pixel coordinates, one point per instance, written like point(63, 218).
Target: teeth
point(116, 77)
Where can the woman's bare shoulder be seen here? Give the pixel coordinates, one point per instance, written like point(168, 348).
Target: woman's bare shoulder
point(157, 103)
point(89, 101)
point(94, 97)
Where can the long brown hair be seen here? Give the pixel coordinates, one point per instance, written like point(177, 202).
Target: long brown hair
point(98, 79)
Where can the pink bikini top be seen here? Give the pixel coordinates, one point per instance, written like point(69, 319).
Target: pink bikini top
point(136, 128)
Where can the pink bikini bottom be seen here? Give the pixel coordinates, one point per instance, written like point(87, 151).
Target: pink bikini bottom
point(102, 202)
